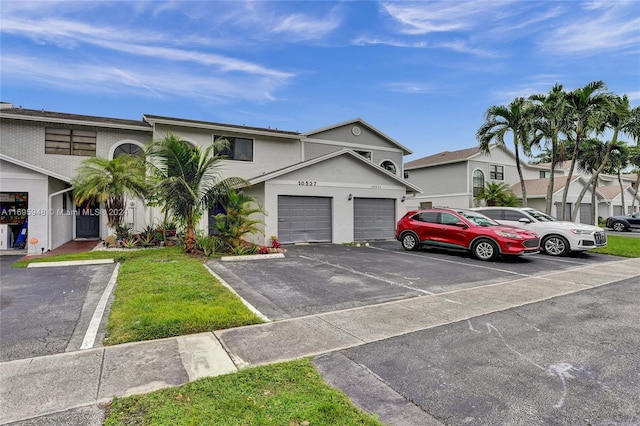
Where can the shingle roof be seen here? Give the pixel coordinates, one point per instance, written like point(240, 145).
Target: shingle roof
point(610, 192)
point(42, 115)
point(211, 123)
point(538, 187)
point(443, 157)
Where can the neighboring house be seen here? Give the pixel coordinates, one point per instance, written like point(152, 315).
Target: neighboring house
point(338, 184)
point(454, 178)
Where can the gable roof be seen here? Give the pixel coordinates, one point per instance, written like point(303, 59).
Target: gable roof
point(277, 173)
point(444, 157)
point(361, 122)
point(34, 168)
point(538, 187)
point(63, 118)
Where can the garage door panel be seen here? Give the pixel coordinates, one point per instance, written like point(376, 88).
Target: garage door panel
point(374, 219)
point(304, 219)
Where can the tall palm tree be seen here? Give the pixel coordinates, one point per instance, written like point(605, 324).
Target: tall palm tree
point(188, 179)
point(619, 161)
point(634, 159)
point(591, 154)
point(550, 112)
point(620, 118)
point(110, 182)
point(584, 105)
point(517, 118)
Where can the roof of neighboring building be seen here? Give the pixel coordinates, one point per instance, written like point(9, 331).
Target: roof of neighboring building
point(59, 117)
point(611, 191)
point(443, 157)
point(538, 187)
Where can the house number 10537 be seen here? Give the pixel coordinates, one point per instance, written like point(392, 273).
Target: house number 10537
point(306, 183)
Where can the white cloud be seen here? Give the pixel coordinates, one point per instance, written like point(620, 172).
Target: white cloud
point(366, 40)
point(306, 27)
point(409, 87)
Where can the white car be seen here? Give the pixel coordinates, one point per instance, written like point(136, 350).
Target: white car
point(557, 238)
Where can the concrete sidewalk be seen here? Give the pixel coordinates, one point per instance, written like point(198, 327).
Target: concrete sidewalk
point(38, 386)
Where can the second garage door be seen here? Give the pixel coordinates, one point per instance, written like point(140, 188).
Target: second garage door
point(374, 219)
point(304, 219)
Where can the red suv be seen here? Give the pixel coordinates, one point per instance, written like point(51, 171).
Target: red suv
point(466, 230)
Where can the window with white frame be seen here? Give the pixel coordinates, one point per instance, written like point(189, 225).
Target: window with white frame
point(238, 149)
point(388, 165)
point(128, 149)
point(496, 172)
point(478, 182)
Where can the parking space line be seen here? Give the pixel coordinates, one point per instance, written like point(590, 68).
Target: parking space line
point(455, 262)
point(92, 330)
point(367, 274)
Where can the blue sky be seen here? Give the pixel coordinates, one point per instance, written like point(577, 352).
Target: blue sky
point(424, 73)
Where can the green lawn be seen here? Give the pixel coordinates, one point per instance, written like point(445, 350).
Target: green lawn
point(619, 245)
point(290, 393)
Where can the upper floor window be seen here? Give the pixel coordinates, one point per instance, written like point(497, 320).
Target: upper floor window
point(478, 182)
point(406, 174)
point(545, 174)
point(388, 165)
point(496, 172)
point(239, 149)
point(70, 142)
point(127, 148)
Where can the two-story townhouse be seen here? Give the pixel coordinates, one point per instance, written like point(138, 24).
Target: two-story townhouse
point(454, 178)
point(338, 184)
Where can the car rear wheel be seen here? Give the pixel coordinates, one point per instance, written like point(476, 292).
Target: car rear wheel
point(555, 245)
point(410, 242)
point(485, 250)
point(619, 226)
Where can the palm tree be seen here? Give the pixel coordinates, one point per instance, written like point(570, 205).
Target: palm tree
point(187, 178)
point(498, 194)
point(634, 159)
point(515, 118)
point(551, 121)
point(620, 118)
point(583, 106)
point(619, 161)
point(110, 182)
point(236, 221)
point(591, 154)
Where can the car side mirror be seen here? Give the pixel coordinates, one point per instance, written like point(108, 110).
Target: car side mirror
point(524, 220)
point(462, 225)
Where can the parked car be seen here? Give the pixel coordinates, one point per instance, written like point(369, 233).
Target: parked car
point(464, 230)
point(558, 238)
point(623, 223)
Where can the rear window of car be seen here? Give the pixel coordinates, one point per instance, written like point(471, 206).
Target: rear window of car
point(513, 215)
point(493, 214)
point(430, 217)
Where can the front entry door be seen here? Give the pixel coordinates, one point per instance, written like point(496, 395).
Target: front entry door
point(88, 221)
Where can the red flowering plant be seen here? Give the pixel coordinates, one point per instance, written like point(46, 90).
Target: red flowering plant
point(263, 250)
point(274, 242)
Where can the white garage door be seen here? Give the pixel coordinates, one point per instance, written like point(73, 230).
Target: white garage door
point(374, 219)
point(304, 219)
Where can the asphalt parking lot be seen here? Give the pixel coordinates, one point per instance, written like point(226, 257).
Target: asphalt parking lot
point(313, 279)
point(45, 311)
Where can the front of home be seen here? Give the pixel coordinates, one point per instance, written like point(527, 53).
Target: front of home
point(340, 183)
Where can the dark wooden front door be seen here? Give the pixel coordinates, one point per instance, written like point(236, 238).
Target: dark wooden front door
point(88, 221)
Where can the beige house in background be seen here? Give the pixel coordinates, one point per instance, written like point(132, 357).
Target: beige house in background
point(454, 178)
point(339, 183)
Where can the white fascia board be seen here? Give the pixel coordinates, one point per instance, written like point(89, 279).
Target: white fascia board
point(76, 122)
point(199, 125)
point(317, 160)
point(358, 120)
point(34, 168)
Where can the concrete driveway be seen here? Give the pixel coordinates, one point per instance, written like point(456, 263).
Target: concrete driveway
point(313, 279)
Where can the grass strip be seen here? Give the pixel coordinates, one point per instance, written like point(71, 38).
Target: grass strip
point(619, 245)
point(290, 393)
point(168, 293)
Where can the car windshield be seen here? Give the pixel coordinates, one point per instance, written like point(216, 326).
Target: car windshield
point(542, 217)
point(478, 219)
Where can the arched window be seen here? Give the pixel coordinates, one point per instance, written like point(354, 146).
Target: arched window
point(388, 165)
point(478, 182)
point(128, 148)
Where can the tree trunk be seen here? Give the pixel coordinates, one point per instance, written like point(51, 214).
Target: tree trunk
point(518, 166)
point(596, 174)
point(635, 191)
point(621, 189)
point(565, 192)
point(554, 158)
